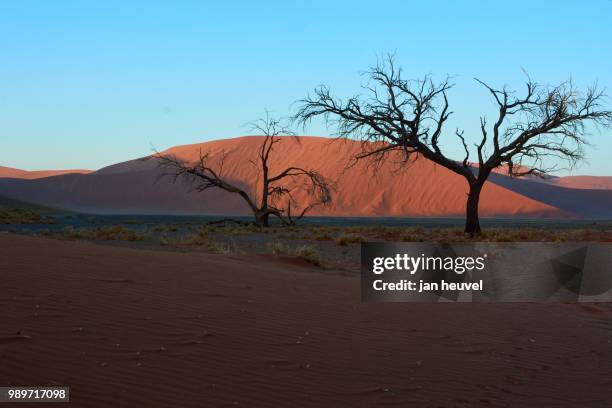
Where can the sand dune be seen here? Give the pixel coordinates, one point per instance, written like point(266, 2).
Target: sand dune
point(126, 328)
point(419, 189)
point(588, 182)
point(9, 172)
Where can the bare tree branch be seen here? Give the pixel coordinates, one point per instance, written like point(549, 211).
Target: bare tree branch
point(405, 115)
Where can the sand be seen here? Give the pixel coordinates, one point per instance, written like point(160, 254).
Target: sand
point(585, 182)
point(140, 328)
point(9, 172)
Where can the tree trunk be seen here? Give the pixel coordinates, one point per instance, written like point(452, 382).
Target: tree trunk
point(472, 222)
point(265, 220)
point(262, 219)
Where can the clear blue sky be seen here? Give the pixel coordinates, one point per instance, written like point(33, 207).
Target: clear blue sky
point(86, 84)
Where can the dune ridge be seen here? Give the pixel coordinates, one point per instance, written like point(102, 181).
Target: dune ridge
point(10, 172)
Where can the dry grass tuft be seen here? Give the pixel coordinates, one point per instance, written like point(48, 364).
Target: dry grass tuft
point(114, 233)
point(350, 238)
point(309, 254)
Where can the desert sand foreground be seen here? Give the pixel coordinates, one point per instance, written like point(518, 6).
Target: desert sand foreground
point(137, 328)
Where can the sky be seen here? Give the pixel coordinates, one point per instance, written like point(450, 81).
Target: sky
point(87, 84)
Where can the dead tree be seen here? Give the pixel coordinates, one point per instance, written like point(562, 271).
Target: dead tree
point(547, 122)
point(275, 191)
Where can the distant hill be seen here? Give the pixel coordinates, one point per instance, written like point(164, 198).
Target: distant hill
point(9, 172)
point(420, 188)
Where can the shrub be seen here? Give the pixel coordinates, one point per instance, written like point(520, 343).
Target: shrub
point(71, 232)
point(309, 254)
point(278, 248)
point(117, 233)
point(23, 216)
point(320, 234)
point(199, 238)
point(243, 229)
point(163, 240)
point(345, 239)
point(114, 233)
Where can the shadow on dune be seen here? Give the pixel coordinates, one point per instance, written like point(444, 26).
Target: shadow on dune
point(139, 192)
point(586, 203)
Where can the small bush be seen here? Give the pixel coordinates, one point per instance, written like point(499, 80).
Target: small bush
point(309, 254)
point(119, 233)
point(243, 229)
point(163, 240)
point(320, 234)
point(278, 248)
point(194, 240)
point(345, 239)
point(114, 233)
point(71, 232)
point(199, 238)
point(23, 216)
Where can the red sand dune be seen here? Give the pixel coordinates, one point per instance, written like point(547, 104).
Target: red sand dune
point(137, 328)
point(9, 172)
point(586, 182)
point(421, 188)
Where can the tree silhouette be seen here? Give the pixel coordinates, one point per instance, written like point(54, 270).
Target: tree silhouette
point(276, 195)
point(409, 115)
